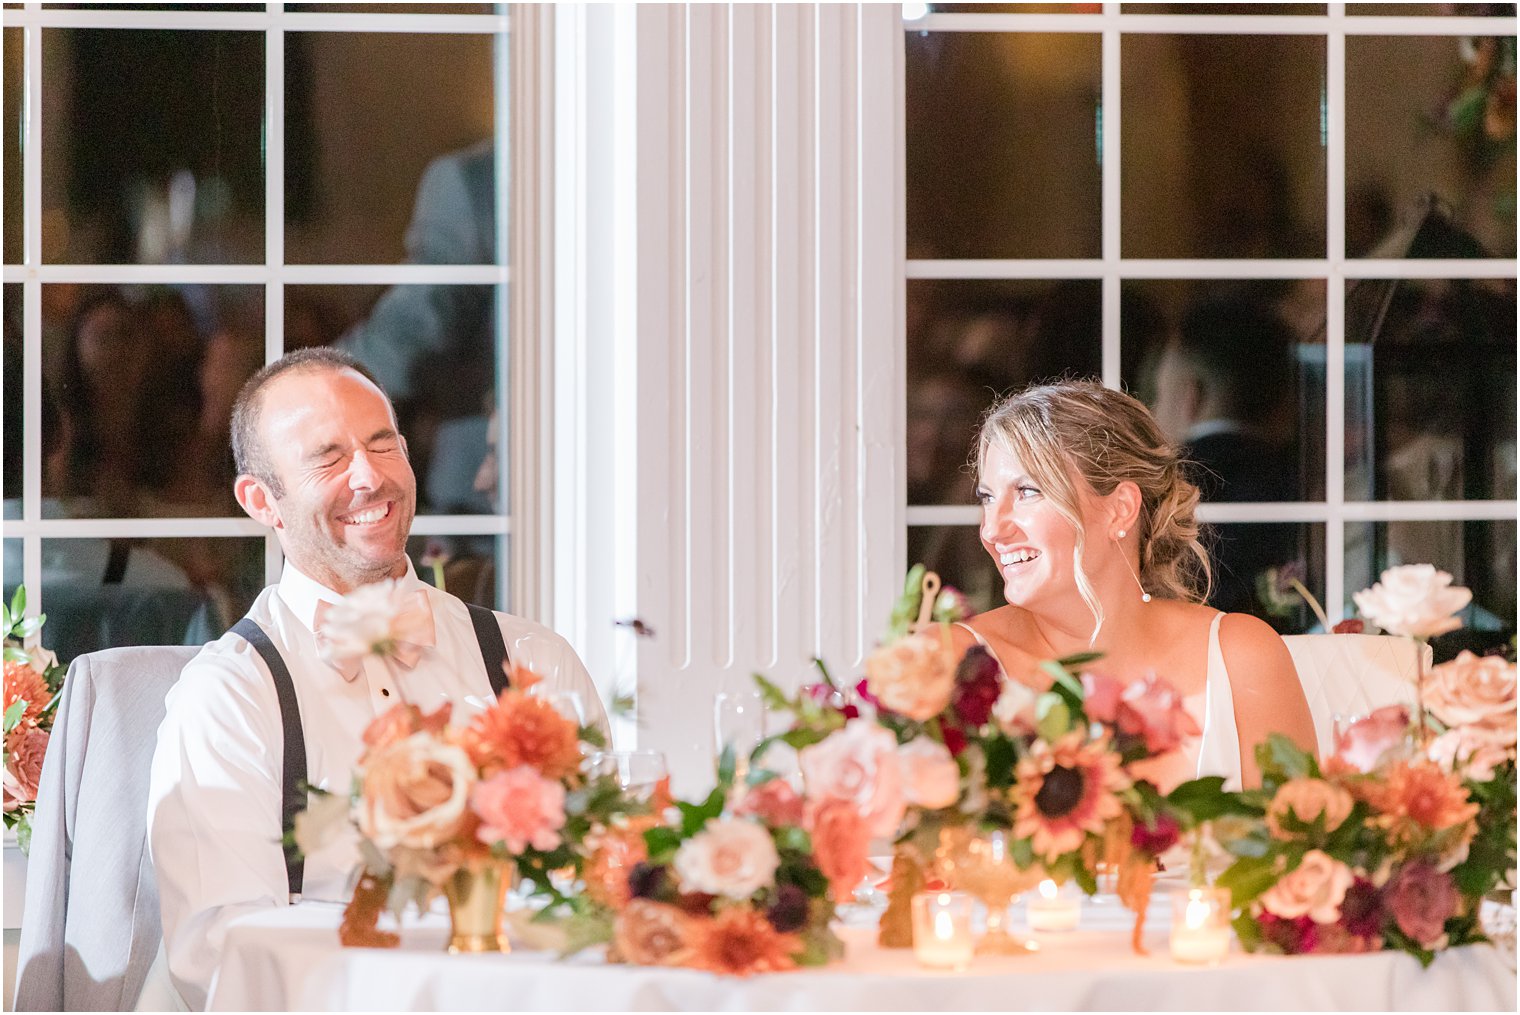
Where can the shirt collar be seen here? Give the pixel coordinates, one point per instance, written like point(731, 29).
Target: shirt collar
point(301, 593)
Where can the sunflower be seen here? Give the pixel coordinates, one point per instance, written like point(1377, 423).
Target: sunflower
point(1064, 791)
point(739, 941)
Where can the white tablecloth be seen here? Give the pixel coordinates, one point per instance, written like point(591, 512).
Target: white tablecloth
point(289, 959)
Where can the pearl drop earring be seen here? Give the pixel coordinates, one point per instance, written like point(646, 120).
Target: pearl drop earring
point(1145, 596)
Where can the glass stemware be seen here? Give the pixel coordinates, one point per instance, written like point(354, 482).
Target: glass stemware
point(982, 864)
point(566, 703)
point(738, 723)
point(638, 772)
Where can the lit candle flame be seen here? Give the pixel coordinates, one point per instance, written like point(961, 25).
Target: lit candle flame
point(1048, 888)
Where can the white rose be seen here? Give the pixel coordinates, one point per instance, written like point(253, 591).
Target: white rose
point(1014, 709)
point(930, 776)
point(323, 823)
point(1414, 600)
point(732, 857)
point(370, 619)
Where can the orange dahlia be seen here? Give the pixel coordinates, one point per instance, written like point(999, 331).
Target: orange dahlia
point(519, 730)
point(740, 942)
point(1416, 799)
point(614, 852)
point(1064, 791)
point(24, 683)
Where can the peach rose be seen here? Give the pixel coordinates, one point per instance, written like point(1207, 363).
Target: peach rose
point(733, 857)
point(651, 934)
point(1473, 689)
point(520, 808)
point(1467, 751)
point(23, 769)
point(1314, 889)
point(1365, 741)
point(1414, 600)
point(26, 683)
point(858, 764)
point(930, 776)
point(1152, 708)
point(1306, 800)
point(840, 844)
point(415, 793)
point(773, 801)
point(914, 676)
point(1014, 710)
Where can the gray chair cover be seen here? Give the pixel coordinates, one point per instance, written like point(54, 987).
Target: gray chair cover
point(90, 929)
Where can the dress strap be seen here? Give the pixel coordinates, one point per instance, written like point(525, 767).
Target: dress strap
point(293, 778)
point(984, 644)
point(1219, 747)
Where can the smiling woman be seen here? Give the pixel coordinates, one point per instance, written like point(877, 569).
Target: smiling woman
point(1087, 512)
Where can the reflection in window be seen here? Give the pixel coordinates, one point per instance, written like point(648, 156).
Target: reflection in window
point(15, 433)
point(1250, 566)
point(12, 93)
point(1478, 554)
point(468, 565)
point(955, 552)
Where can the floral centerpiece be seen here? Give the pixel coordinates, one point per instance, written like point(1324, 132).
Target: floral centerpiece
point(33, 678)
point(937, 748)
point(739, 883)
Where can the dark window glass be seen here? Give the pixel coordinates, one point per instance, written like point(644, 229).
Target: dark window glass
point(1236, 9)
point(138, 385)
point(1089, 8)
point(469, 565)
point(955, 552)
point(1002, 145)
point(971, 341)
point(392, 155)
point(1430, 134)
point(441, 8)
point(1235, 372)
point(1478, 554)
point(11, 550)
point(152, 148)
point(433, 348)
point(1224, 146)
point(15, 434)
point(12, 146)
point(101, 593)
point(1433, 10)
point(1430, 389)
point(1250, 566)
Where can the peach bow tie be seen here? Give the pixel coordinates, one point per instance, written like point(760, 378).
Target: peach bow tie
point(411, 631)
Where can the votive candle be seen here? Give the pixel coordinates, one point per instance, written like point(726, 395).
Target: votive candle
point(942, 936)
point(1054, 907)
point(1200, 925)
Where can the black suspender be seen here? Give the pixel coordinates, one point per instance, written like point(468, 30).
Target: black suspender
point(292, 782)
point(493, 652)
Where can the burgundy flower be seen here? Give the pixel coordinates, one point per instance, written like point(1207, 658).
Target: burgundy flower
point(1296, 936)
point(790, 910)
point(1421, 898)
point(646, 880)
point(863, 690)
point(1362, 909)
point(832, 697)
point(978, 681)
point(1156, 838)
point(955, 740)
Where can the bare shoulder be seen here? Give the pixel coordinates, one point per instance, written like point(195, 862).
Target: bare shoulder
point(1252, 641)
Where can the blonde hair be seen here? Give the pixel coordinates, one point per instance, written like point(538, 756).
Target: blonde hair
point(1060, 432)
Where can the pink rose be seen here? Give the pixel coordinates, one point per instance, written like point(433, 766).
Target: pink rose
point(1015, 708)
point(914, 676)
point(1473, 689)
point(1314, 889)
point(1306, 800)
point(1100, 697)
point(1420, 899)
point(23, 769)
point(857, 764)
point(732, 857)
point(930, 776)
point(1366, 740)
point(520, 808)
point(1152, 708)
point(1471, 751)
point(773, 801)
point(1414, 600)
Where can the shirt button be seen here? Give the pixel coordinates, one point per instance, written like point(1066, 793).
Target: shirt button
point(385, 691)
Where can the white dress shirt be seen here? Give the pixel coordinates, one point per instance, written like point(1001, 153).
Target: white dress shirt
point(215, 788)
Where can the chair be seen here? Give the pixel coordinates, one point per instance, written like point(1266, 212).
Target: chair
point(90, 929)
point(1352, 674)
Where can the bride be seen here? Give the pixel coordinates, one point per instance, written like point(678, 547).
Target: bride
point(1087, 513)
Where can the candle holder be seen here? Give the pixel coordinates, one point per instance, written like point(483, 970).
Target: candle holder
point(1200, 925)
point(1054, 908)
point(942, 936)
point(983, 865)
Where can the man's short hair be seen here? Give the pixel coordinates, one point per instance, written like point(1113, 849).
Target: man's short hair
point(248, 452)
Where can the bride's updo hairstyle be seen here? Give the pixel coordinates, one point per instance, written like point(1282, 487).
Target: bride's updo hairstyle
point(1075, 430)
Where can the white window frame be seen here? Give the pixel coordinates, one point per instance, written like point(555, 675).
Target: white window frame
point(273, 275)
point(1334, 512)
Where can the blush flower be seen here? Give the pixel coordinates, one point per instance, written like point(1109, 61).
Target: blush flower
point(25, 747)
point(1414, 600)
point(1468, 751)
point(1014, 710)
point(1314, 889)
point(858, 764)
point(1363, 744)
point(520, 808)
point(1100, 697)
point(732, 857)
point(1421, 899)
point(1472, 689)
point(740, 942)
point(649, 933)
point(414, 793)
point(523, 730)
point(773, 801)
point(1065, 791)
point(914, 676)
point(1152, 709)
point(373, 619)
point(1308, 800)
point(840, 844)
point(23, 683)
point(930, 776)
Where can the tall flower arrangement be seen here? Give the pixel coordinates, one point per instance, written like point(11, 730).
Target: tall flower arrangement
point(33, 678)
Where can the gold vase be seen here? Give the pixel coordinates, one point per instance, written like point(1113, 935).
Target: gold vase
point(982, 863)
point(477, 895)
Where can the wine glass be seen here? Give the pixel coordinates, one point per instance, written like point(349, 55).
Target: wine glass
point(738, 723)
point(566, 703)
point(637, 772)
point(982, 864)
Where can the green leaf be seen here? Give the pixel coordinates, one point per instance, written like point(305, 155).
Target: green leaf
point(16, 655)
point(774, 697)
point(24, 833)
point(1001, 757)
point(1205, 799)
point(1247, 878)
point(30, 626)
point(18, 602)
point(14, 713)
point(1054, 716)
point(1247, 931)
point(726, 765)
point(823, 671)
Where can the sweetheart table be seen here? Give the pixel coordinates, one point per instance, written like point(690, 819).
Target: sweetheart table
point(289, 959)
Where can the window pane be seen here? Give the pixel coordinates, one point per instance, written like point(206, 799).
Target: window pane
point(1479, 555)
point(956, 553)
point(1002, 136)
point(1224, 151)
point(1235, 372)
point(433, 348)
point(152, 146)
point(1432, 10)
point(469, 564)
point(1251, 562)
point(11, 147)
point(138, 384)
point(14, 393)
point(1430, 389)
point(157, 7)
point(389, 159)
point(441, 8)
point(1430, 117)
point(100, 593)
point(970, 341)
point(10, 549)
point(1088, 8)
point(1227, 8)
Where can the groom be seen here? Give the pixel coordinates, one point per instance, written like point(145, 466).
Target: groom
point(319, 462)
